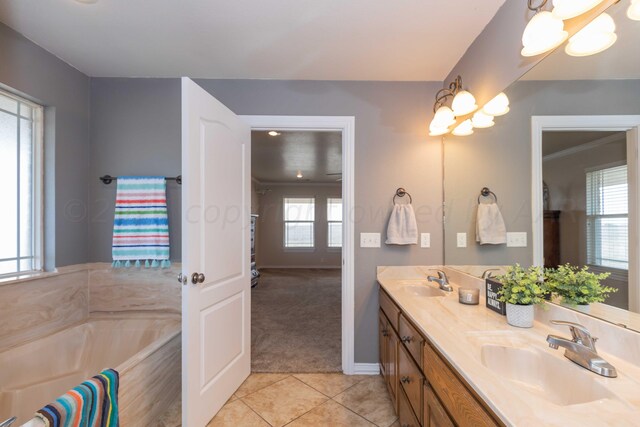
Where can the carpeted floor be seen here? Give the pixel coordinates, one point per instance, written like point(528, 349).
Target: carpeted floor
point(295, 321)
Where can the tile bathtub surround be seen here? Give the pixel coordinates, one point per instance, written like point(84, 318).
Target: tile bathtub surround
point(33, 308)
point(303, 400)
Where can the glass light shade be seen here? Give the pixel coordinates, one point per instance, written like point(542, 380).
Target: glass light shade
point(463, 129)
point(634, 10)
point(481, 120)
point(595, 37)
point(463, 103)
point(498, 106)
point(444, 117)
point(567, 9)
point(543, 33)
point(436, 131)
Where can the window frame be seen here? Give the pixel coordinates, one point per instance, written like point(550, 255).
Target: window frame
point(287, 248)
point(590, 221)
point(329, 222)
point(37, 197)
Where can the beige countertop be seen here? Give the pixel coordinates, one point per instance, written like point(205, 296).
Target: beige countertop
point(472, 338)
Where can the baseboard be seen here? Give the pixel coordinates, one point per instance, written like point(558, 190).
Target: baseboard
point(366, 369)
point(306, 267)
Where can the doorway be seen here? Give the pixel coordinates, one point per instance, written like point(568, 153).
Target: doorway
point(329, 190)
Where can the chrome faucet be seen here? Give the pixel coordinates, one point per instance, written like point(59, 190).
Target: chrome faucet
point(8, 422)
point(581, 349)
point(441, 280)
point(488, 273)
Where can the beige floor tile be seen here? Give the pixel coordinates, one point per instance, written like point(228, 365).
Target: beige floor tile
point(257, 382)
point(284, 401)
point(330, 414)
point(237, 413)
point(172, 417)
point(330, 384)
point(370, 399)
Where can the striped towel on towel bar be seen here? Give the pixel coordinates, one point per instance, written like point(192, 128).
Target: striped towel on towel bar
point(94, 403)
point(141, 224)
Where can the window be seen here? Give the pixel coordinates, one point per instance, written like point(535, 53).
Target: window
point(607, 218)
point(299, 216)
point(20, 157)
point(334, 223)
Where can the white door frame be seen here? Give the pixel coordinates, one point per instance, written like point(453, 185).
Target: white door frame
point(622, 123)
point(346, 125)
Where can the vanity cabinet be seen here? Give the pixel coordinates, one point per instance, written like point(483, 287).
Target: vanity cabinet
point(425, 389)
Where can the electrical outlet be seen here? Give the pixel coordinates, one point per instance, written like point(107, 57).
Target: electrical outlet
point(425, 240)
point(462, 240)
point(369, 240)
point(517, 240)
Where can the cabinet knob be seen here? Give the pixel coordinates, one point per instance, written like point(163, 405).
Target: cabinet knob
point(385, 333)
point(405, 380)
point(407, 339)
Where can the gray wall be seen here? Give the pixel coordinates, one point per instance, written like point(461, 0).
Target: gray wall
point(31, 71)
point(135, 130)
point(134, 118)
point(270, 251)
point(500, 158)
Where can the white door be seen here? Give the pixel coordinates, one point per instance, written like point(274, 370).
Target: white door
point(216, 149)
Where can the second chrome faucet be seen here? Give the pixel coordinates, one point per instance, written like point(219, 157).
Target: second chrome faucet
point(442, 280)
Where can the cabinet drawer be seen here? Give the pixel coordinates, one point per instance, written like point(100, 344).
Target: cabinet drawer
point(434, 413)
point(454, 395)
point(411, 380)
point(406, 416)
point(411, 338)
point(390, 308)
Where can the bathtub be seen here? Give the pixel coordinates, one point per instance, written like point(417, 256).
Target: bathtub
point(145, 351)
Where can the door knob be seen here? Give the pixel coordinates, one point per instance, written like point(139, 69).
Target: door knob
point(197, 278)
point(182, 279)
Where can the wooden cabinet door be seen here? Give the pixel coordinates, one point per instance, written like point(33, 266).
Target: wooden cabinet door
point(392, 365)
point(383, 337)
point(406, 417)
point(434, 413)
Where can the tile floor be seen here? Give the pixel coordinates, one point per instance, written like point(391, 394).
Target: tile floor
point(300, 400)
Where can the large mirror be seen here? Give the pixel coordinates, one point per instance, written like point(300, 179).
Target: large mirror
point(562, 165)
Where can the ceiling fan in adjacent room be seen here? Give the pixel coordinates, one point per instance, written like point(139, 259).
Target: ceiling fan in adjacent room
point(336, 174)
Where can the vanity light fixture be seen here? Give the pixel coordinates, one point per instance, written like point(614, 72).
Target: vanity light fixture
point(437, 131)
point(463, 129)
point(463, 103)
point(273, 133)
point(595, 37)
point(299, 175)
point(567, 9)
point(481, 120)
point(498, 106)
point(444, 117)
point(634, 10)
point(543, 33)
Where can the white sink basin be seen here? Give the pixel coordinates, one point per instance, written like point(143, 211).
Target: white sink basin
point(423, 290)
point(546, 376)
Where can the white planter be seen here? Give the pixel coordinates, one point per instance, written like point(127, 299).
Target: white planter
point(520, 315)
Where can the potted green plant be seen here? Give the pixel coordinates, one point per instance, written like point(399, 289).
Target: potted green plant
point(578, 286)
point(521, 290)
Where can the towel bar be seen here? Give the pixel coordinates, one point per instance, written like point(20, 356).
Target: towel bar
point(401, 192)
point(485, 192)
point(108, 179)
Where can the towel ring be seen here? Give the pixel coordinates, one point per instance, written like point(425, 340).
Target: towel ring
point(485, 192)
point(401, 192)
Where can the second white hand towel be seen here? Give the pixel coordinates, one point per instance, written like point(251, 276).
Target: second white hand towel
point(490, 228)
point(402, 228)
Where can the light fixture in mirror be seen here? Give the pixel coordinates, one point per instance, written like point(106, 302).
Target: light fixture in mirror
point(463, 103)
point(498, 106)
point(444, 117)
point(567, 9)
point(599, 35)
point(543, 33)
point(437, 131)
point(481, 120)
point(634, 10)
point(464, 129)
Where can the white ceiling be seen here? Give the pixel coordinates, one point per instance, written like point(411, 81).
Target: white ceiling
point(620, 61)
point(277, 159)
point(408, 40)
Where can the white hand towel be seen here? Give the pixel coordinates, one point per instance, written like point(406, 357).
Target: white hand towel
point(402, 228)
point(490, 228)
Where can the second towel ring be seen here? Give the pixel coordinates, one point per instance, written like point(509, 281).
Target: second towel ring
point(485, 192)
point(401, 192)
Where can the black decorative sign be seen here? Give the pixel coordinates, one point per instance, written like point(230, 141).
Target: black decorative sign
point(492, 297)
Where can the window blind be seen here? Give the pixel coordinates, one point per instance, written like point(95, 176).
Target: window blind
point(299, 217)
point(607, 217)
point(334, 223)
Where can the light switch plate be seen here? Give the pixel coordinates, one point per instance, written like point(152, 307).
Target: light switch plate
point(425, 240)
point(462, 240)
point(517, 240)
point(369, 240)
